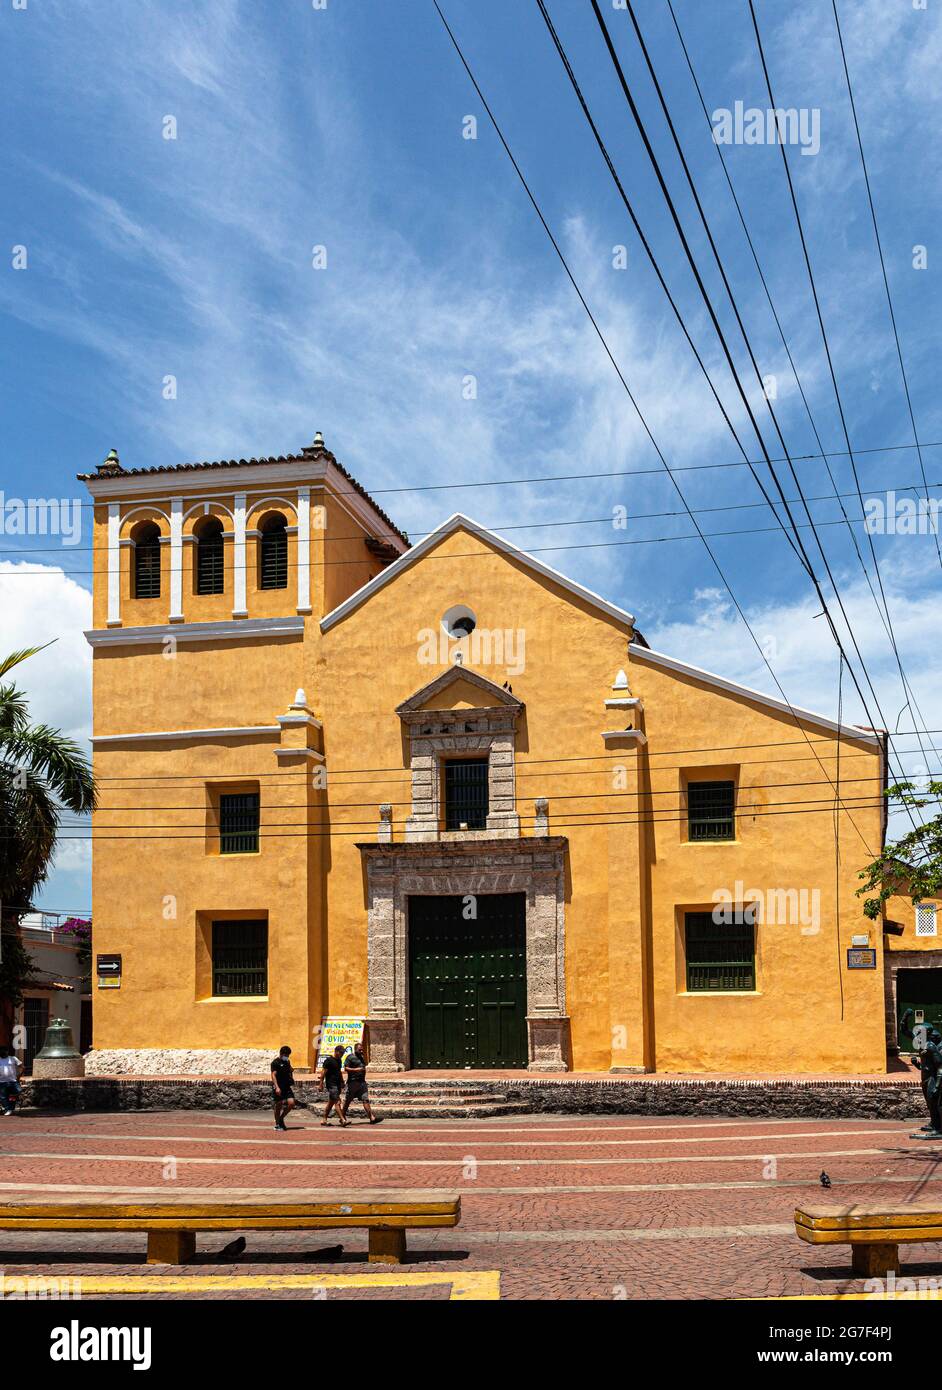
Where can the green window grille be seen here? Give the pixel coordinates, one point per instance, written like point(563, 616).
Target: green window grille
point(721, 956)
point(147, 565)
point(240, 958)
point(274, 565)
point(210, 577)
point(466, 794)
point(711, 810)
point(238, 823)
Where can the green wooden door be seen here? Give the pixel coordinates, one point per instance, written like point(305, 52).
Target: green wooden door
point(468, 982)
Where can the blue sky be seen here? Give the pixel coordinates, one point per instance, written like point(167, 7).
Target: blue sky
point(342, 127)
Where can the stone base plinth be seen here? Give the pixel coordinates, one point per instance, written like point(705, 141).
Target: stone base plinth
point(58, 1068)
point(387, 1042)
point(547, 1043)
point(179, 1061)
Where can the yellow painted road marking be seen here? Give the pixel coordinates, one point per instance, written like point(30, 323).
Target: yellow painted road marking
point(882, 1296)
point(477, 1284)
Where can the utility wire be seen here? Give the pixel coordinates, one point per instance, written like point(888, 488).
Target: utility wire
point(911, 701)
point(803, 555)
point(934, 511)
point(824, 339)
point(886, 282)
point(732, 299)
point(477, 555)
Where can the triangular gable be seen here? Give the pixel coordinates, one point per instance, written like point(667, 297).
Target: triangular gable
point(457, 688)
point(456, 523)
point(873, 736)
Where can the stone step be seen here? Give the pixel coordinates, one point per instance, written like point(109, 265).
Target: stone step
point(423, 1111)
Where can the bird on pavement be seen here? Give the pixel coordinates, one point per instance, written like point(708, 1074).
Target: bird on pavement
point(824, 1179)
point(233, 1250)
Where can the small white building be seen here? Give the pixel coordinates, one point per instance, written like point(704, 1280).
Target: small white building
point(58, 986)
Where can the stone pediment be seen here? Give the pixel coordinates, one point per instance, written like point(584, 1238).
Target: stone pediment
point(458, 690)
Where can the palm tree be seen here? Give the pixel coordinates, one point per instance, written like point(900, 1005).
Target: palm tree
point(41, 773)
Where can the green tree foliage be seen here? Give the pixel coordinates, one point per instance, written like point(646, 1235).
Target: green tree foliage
point(42, 773)
point(911, 865)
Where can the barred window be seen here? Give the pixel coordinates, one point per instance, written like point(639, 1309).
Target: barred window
point(273, 542)
point(711, 810)
point(466, 800)
point(720, 956)
point(240, 958)
point(239, 823)
point(210, 576)
point(147, 561)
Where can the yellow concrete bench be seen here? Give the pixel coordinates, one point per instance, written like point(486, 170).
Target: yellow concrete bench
point(873, 1230)
point(171, 1222)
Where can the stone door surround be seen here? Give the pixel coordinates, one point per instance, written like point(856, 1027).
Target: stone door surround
point(467, 866)
point(488, 729)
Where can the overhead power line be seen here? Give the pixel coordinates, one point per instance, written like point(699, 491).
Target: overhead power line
point(910, 697)
point(639, 124)
point(886, 282)
point(827, 808)
point(824, 337)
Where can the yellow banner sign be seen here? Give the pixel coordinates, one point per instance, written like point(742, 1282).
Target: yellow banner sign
point(339, 1032)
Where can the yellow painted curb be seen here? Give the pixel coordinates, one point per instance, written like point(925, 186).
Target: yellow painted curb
point(932, 1295)
point(477, 1284)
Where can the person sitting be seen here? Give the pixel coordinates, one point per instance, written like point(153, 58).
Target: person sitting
point(10, 1069)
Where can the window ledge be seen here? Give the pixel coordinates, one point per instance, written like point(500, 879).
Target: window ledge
point(235, 999)
point(719, 993)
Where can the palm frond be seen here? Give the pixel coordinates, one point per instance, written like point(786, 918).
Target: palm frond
point(8, 662)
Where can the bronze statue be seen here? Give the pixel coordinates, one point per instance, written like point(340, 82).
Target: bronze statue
point(929, 1061)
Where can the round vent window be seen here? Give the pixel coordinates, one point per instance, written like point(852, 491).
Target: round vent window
point(459, 622)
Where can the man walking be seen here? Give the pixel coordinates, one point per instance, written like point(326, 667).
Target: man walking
point(332, 1082)
point(355, 1067)
point(282, 1082)
point(10, 1069)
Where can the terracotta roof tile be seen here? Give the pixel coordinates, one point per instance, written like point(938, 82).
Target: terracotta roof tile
point(313, 452)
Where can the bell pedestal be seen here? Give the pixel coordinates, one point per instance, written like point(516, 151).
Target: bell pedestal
point(59, 1058)
point(57, 1068)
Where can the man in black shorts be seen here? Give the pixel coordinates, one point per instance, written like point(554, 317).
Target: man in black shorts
point(282, 1083)
point(332, 1081)
point(355, 1067)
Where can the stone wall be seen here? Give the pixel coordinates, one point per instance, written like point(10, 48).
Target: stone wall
point(728, 1099)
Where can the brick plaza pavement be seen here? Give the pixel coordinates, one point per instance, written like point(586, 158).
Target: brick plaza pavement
point(585, 1207)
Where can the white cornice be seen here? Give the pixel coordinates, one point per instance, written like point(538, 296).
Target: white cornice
point(447, 528)
point(181, 735)
point(205, 481)
point(156, 487)
point(227, 630)
point(745, 692)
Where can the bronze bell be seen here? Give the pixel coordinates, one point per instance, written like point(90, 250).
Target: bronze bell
point(58, 1042)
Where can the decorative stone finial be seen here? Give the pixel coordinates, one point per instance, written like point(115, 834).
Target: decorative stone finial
point(620, 682)
point(112, 464)
point(318, 440)
point(300, 699)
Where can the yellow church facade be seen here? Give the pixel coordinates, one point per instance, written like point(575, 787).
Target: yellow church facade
point(445, 789)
